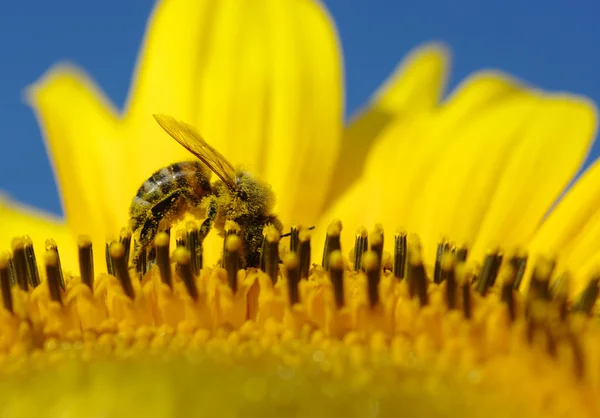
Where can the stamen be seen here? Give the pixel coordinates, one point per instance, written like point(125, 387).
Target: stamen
point(180, 240)
point(449, 254)
point(560, 294)
point(588, 297)
point(417, 278)
point(52, 275)
point(110, 268)
point(86, 261)
point(413, 244)
point(164, 226)
point(387, 263)
point(437, 269)
point(291, 268)
point(447, 274)
point(263, 246)
point(232, 259)
point(304, 253)
point(194, 246)
point(150, 257)
point(373, 271)
point(376, 241)
point(550, 340)
point(125, 239)
point(231, 228)
point(180, 235)
point(18, 247)
point(294, 238)
point(161, 243)
point(12, 270)
point(32, 268)
point(539, 288)
point(271, 253)
point(463, 280)
point(141, 262)
point(461, 254)
point(578, 355)
point(289, 234)
point(336, 273)
point(5, 284)
point(378, 228)
point(538, 311)
point(507, 279)
point(117, 254)
point(400, 253)
point(361, 245)
point(51, 246)
point(489, 271)
point(182, 258)
point(332, 242)
point(519, 264)
point(449, 247)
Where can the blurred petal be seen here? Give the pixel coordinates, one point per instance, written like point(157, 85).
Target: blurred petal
point(17, 220)
point(472, 168)
point(552, 146)
point(454, 200)
point(401, 162)
point(415, 86)
point(572, 214)
point(261, 80)
point(80, 130)
point(572, 229)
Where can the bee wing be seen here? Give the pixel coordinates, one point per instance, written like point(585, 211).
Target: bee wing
point(191, 139)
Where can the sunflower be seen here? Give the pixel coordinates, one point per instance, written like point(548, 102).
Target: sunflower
point(443, 320)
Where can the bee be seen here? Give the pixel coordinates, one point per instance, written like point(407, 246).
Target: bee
point(185, 187)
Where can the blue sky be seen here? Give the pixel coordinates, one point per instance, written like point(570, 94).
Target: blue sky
point(552, 44)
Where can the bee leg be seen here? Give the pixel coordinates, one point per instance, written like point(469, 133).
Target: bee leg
point(211, 213)
point(147, 233)
point(253, 237)
point(160, 212)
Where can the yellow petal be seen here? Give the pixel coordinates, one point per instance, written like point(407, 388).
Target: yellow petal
point(80, 130)
point(262, 82)
point(305, 109)
point(454, 199)
point(176, 43)
point(579, 256)
point(401, 162)
point(572, 213)
point(363, 203)
point(17, 220)
point(452, 172)
point(571, 229)
point(552, 146)
point(415, 86)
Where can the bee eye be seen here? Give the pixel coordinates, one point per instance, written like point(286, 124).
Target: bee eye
point(242, 195)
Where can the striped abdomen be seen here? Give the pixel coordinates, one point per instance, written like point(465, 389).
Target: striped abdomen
point(168, 192)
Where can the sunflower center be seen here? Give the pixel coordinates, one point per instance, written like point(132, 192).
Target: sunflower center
point(381, 324)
